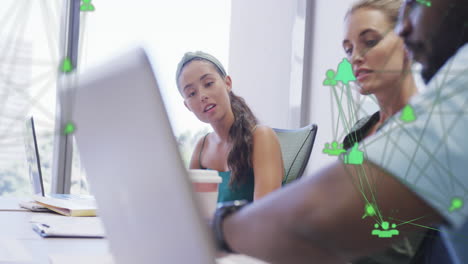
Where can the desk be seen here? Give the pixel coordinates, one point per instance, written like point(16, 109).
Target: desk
point(15, 226)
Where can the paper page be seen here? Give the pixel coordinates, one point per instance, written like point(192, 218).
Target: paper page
point(58, 225)
point(73, 204)
point(13, 251)
point(73, 259)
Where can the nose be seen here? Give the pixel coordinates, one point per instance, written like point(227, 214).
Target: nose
point(357, 57)
point(203, 96)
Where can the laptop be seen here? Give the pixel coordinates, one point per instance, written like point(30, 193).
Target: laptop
point(32, 157)
point(35, 173)
point(134, 169)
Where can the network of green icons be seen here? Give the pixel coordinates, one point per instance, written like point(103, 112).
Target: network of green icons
point(354, 155)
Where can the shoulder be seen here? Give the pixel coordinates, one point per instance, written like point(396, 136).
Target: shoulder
point(262, 131)
point(195, 160)
point(201, 142)
point(265, 136)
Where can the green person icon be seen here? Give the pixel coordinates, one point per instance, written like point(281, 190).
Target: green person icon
point(330, 80)
point(407, 114)
point(354, 156)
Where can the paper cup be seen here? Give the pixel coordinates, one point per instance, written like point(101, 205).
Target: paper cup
point(205, 184)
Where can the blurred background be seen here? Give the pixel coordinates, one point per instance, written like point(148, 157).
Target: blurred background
point(277, 53)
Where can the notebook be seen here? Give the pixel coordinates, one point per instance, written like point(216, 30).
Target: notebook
point(130, 154)
point(52, 225)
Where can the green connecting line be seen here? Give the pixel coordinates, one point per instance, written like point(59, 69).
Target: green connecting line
point(427, 152)
point(439, 91)
point(350, 101)
point(361, 190)
point(444, 140)
point(372, 192)
point(345, 124)
point(411, 223)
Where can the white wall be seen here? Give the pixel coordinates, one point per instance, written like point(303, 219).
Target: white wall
point(265, 62)
point(327, 54)
point(261, 60)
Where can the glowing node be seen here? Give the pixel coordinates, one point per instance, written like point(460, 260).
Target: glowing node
point(457, 203)
point(369, 210)
point(69, 128)
point(66, 66)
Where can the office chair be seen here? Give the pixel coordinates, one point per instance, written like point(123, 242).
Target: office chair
point(296, 146)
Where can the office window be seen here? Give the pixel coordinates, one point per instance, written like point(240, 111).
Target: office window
point(29, 37)
point(167, 29)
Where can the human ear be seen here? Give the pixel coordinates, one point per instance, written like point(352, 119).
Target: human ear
point(228, 82)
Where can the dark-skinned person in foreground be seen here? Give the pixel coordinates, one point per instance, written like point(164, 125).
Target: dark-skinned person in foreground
point(412, 176)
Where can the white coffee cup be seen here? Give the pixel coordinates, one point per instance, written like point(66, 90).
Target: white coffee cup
point(205, 184)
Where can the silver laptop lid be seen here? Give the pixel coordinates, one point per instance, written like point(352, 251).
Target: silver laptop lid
point(134, 168)
point(32, 157)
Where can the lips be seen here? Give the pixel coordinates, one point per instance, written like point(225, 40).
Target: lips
point(362, 73)
point(209, 107)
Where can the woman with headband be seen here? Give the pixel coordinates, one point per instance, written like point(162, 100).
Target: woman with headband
point(246, 155)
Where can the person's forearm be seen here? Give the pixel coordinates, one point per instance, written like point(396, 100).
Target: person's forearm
point(318, 219)
point(257, 230)
point(256, 242)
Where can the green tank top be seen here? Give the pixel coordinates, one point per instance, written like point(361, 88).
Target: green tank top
point(243, 191)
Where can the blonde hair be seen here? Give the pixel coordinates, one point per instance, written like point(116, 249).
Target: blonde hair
point(389, 7)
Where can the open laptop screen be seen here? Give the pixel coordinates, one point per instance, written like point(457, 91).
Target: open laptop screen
point(32, 157)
